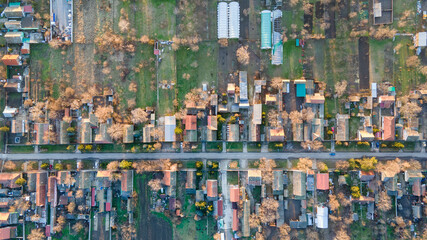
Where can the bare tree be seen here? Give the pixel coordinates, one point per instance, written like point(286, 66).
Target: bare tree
point(243, 55)
point(266, 166)
point(307, 114)
point(410, 109)
point(304, 164)
point(139, 115)
point(268, 210)
point(36, 234)
point(384, 202)
point(155, 184)
point(342, 165)
point(9, 165)
point(77, 227)
point(116, 131)
point(284, 231)
point(254, 221)
point(413, 61)
point(113, 166)
point(312, 145)
point(296, 117)
point(104, 113)
point(340, 88)
point(277, 83)
point(71, 207)
point(273, 118)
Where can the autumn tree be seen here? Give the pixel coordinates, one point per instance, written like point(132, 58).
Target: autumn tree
point(79, 193)
point(312, 145)
point(342, 234)
point(60, 224)
point(277, 83)
point(312, 234)
point(413, 61)
point(36, 234)
point(295, 117)
point(9, 165)
point(410, 110)
point(340, 88)
point(243, 55)
point(307, 114)
point(113, 166)
point(342, 165)
point(284, 231)
point(266, 166)
point(254, 221)
point(268, 210)
point(304, 164)
point(116, 131)
point(139, 115)
point(233, 165)
point(71, 207)
point(384, 202)
point(104, 113)
point(155, 184)
point(128, 232)
point(273, 118)
point(322, 167)
point(334, 204)
point(77, 227)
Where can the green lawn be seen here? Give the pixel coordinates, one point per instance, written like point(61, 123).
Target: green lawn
point(292, 60)
point(20, 149)
point(378, 70)
point(254, 147)
point(214, 146)
point(54, 148)
point(233, 177)
point(234, 146)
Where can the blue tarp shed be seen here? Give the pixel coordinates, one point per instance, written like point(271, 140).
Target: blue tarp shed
point(266, 29)
point(301, 91)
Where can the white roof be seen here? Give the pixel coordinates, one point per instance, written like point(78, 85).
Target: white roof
point(374, 90)
point(257, 114)
point(377, 10)
point(234, 20)
point(243, 85)
point(322, 217)
point(170, 124)
point(422, 39)
point(222, 20)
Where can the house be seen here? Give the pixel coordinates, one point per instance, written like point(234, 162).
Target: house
point(246, 231)
point(257, 114)
point(12, 60)
point(31, 181)
point(212, 128)
point(342, 131)
point(190, 184)
point(220, 208)
point(29, 24)
point(41, 189)
point(190, 131)
point(300, 87)
point(299, 184)
point(383, 11)
point(271, 99)
point(126, 184)
point(13, 12)
point(52, 193)
point(63, 134)
point(277, 182)
point(235, 224)
point(102, 135)
point(243, 85)
point(146, 133)
point(65, 181)
point(8, 218)
point(410, 135)
point(298, 132)
point(317, 129)
point(7, 180)
point(9, 112)
point(231, 88)
point(420, 39)
point(234, 194)
point(233, 132)
point(277, 134)
point(277, 42)
point(41, 130)
point(254, 177)
point(386, 101)
point(416, 211)
point(363, 135)
point(366, 176)
point(12, 25)
point(85, 132)
point(170, 125)
point(413, 175)
point(25, 49)
point(310, 181)
point(14, 37)
point(212, 189)
point(14, 85)
point(266, 29)
point(322, 217)
point(388, 128)
point(322, 181)
point(254, 133)
point(169, 180)
point(19, 127)
point(128, 133)
point(8, 233)
point(86, 179)
point(416, 188)
point(317, 98)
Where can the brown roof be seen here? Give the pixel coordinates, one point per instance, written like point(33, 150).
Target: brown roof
point(4, 216)
point(277, 134)
point(388, 128)
point(103, 174)
point(12, 60)
point(8, 179)
point(52, 190)
point(212, 188)
point(5, 233)
point(234, 194)
point(191, 122)
point(235, 220)
point(322, 181)
point(127, 181)
point(167, 178)
point(41, 188)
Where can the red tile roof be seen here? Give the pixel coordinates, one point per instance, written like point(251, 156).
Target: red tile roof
point(322, 181)
point(11, 60)
point(107, 206)
point(93, 197)
point(8, 179)
point(167, 178)
point(220, 208)
point(416, 188)
point(235, 220)
point(47, 231)
point(28, 9)
point(388, 128)
point(41, 188)
point(212, 188)
point(5, 232)
point(52, 191)
point(234, 194)
point(190, 122)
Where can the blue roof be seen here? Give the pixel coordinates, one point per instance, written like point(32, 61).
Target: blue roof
point(301, 91)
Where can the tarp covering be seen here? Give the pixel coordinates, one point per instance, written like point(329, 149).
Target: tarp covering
point(266, 29)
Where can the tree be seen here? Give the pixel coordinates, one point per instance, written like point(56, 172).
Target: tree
point(71, 207)
point(384, 202)
point(307, 114)
point(413, 61)
point(364, 164)
point(9, 165)
point(254, 221)
point(116, 131)
point(36, 234)
point(28, 103)
point(155, 184)
point(334, 204)
point(4, 129)
point(342, 165)
point(243, 55)
point(323, 168)
point(44, 165)
point(59, 167)
point(113, 166)
point(340, 88)
point(355, 192)
point(20, 181)
point(342, 234)
point(139, 115)
point(410, 110)
point(104, 113)
point(312, 234)
point(69, 93)
point(125, 165)
point(296, 117)
point(304, 164)
point(79, 193)
point(77, 227)
point(266, 166)
point(178, 130)
point(273, 118)
point(128, 232)
point(233, 165)
point(284, 231)
point(268, 210)
point(60, 224)
point(312, 145)
point(277, 83)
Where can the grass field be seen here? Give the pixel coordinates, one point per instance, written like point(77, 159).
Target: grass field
point(378, 52)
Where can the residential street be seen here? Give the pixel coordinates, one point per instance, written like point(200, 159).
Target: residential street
point(250, 155)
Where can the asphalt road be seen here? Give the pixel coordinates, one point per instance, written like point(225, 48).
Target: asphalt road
point(217, 156)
